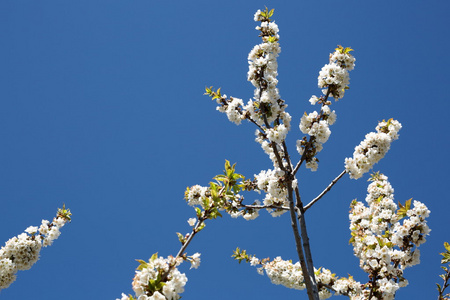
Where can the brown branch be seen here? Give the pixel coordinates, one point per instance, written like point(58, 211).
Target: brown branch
point(306, 246)
point(326, 190)
point(264, 206)
point(311, 286)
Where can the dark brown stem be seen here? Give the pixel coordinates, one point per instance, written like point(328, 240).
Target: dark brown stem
point(195, 230)
point(326, 190)
point(372, 281)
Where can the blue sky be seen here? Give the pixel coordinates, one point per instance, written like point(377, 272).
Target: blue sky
point(102, 109)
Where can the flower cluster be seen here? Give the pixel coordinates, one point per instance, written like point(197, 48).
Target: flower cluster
point(316, 125)
point(333, 78)
point(22, 252)
point(266, 109)
point(222, 195)
point(372, 148)
point(263, 73)
point(159, 279)
point(195, 194)
point(290, 275)
point(384, 244)
point(271, 182)
point(273, 138)
point(233, 109)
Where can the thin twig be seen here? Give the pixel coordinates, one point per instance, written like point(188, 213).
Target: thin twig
point(446, 278)
point(264, 206)
point(184, 246)
point(326, 190)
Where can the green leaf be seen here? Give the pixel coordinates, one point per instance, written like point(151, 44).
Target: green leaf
point(181, 238)
point(206, 203)
point(208, 90)
point(447, 246)
point(198, 211)
point(142, 264)
point(213, 189)
point(446, 258)
point(339, 48)
point(154, 256)
point(240, 255)
point(402, 211)
point(214, 214)
point(201, 227)
point(347, 50)
point(272, 39)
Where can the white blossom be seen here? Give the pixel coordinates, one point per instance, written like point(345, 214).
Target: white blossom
point(385, 243)
point(192, 221)
point(22, 252)
point(372, 148)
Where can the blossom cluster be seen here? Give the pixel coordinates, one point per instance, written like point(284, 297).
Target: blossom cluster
point(159, 279)
point(263, 73)
point(384, 244)
point(22, 252)
point(277, 135)
point(222, 195)
point(232, 203)
point(316, 125)
point(266, 109)
point(290, 275)
point(334, 78)
point(226, 197)
point(372, 148)
point(271, 182)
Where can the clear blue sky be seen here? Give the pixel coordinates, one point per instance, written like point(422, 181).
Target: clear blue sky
point(102, 109)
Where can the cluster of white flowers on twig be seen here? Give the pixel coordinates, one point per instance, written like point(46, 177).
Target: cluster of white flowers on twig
point(276, 192)
point(334, 80)
point(22, 252)
point(290, 275)
point(385, 238)
point(223, 195)
point(159, 278)
point(372, 148)
point(266, 109)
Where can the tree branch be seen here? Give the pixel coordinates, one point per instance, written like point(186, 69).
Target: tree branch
point(306, 246)
point(311, 286)
point(326, 190)
point(264, 206)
